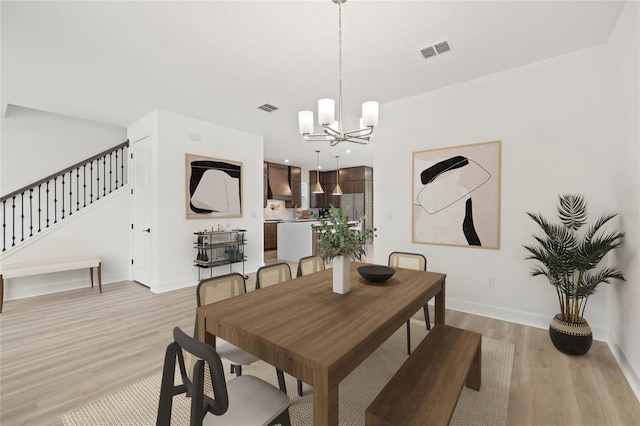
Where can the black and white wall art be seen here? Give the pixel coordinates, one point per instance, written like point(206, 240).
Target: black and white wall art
point(214, 187)
point(456, 196)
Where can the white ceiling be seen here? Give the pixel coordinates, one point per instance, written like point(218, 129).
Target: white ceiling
point(116, 61)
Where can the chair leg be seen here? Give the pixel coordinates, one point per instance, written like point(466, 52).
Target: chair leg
point(283, 419)
point(408, 339)
point(299, 387)
point(427, 320)
point(281, 382)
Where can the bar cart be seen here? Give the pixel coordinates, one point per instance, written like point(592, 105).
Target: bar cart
point(219, 248)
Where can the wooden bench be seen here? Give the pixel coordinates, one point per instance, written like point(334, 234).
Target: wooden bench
point(33, 268)
point(426, 388)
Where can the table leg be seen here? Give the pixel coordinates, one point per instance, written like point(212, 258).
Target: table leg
point(201, 329)
point(203, 335)
point(439, 308)
point(325, 400)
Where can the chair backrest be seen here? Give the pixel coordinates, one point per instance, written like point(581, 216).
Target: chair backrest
point(309, 265)
point(204, 361)
point(222, 287)
point(219, 288)
point(399, 259)
point(275, 273)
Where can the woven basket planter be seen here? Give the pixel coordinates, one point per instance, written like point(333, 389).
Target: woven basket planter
point(570, 338)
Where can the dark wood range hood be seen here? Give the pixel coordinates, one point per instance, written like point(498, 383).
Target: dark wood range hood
point(282, 182)
point(279, 182)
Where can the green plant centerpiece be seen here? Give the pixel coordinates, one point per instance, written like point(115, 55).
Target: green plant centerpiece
point(568, 256)
point(337, 236)
point(340, 241)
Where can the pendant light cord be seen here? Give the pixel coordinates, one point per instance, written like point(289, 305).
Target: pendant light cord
point(340, 64)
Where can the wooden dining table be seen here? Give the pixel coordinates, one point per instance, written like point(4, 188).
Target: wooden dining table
point(305, 329)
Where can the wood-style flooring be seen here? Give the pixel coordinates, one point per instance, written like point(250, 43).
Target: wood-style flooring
point(60, 351)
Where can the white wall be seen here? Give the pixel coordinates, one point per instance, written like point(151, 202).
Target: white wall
point(624, 298)
point(100, 230)
point(560, 125)
point(173, 237)
point(36, 144)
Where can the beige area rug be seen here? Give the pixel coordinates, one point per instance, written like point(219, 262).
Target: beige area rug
point(136, 405)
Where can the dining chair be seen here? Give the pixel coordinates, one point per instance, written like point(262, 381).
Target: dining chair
point(222, 287)
point(272, 274)
point(416, 261)
point(243, 400)
point(310, 264)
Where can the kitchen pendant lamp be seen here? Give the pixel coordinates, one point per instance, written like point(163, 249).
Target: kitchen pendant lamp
point(337, 190)
point(317, 189)
point(332, 130)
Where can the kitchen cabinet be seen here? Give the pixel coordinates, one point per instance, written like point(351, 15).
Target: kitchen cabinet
point(353, 180)
point(265, 185)
point(353, 205)
point(315, 200)
point(270, 235)
point(328, 182)
point(295, 180)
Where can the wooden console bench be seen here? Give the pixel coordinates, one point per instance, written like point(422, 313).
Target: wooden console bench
point(426, 388)
point(32, 268)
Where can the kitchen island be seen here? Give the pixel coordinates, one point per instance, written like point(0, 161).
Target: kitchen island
point(296, 239)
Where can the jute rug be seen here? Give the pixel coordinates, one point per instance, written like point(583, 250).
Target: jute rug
point(137, 404)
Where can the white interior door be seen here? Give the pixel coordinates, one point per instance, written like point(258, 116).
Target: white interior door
point(141, 203)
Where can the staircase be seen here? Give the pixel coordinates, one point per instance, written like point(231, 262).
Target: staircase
point(37, 207)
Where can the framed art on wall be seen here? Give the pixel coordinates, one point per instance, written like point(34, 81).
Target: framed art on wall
point(214, 187)
point(456, 196)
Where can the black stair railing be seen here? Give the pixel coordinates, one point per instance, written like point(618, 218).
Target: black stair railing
point(36, 207)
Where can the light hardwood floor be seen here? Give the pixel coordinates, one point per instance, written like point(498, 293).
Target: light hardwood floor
point(60, 351)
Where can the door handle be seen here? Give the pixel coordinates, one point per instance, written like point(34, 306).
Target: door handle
point(147, 230)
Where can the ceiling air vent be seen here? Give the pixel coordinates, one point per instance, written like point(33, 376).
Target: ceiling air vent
point(428, 52)
point(436, 49)
point(267, 108)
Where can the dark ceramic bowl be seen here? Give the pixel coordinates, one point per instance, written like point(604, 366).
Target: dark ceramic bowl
point(376, 273)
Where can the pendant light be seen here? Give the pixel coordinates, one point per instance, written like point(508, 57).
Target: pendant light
point(337, 190)
point(317, 189)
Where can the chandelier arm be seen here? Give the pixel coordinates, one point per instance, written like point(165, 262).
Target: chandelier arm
point(352, 140)
point(317, 137)
point(361, 141)
point(368, 130)
point(328, 130)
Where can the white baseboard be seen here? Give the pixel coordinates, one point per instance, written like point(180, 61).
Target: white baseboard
point(631, 376)
point(518, 317)
point(176, 285)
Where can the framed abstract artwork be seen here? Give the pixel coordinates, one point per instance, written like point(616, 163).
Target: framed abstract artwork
point(214, 187)
point(456, 196)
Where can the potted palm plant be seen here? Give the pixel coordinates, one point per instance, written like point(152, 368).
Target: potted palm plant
point(569, 256)
point(340, 241)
